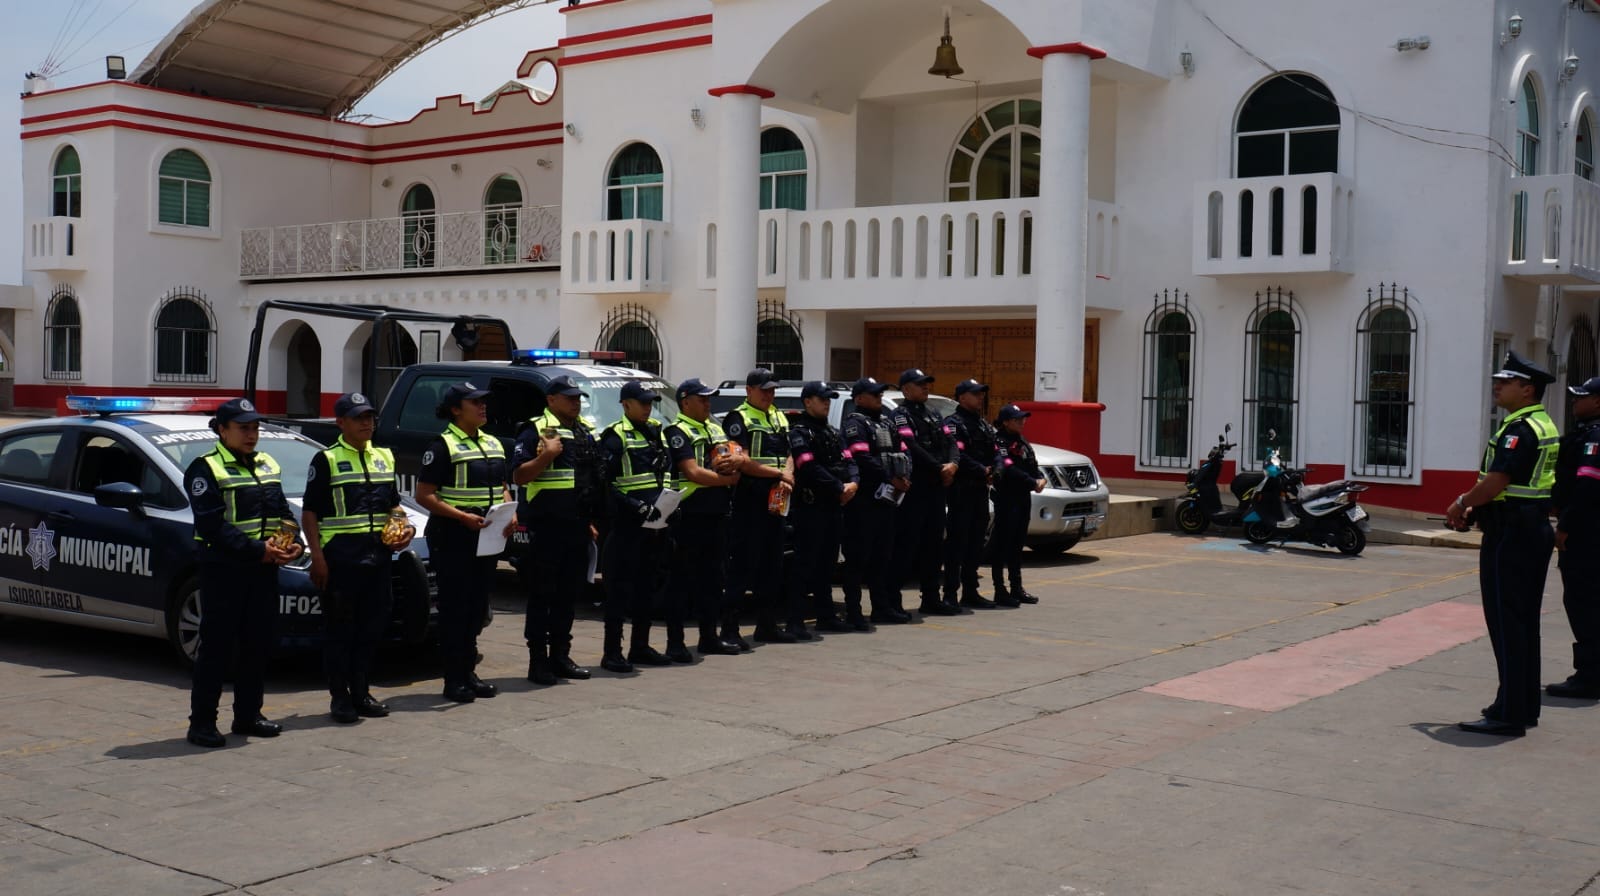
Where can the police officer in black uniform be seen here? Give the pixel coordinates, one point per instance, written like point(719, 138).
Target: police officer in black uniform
point(919, 523)
point(756, 532)
point(703, 473)
point(557, 464)
point(463, 475)
point(1017, 476)
point(636, 556)
point(868, 528)
point(1511, 503)
point(967, 524)
point(236, 493)
point(350, 490)
point(826, 482)
point(1577, 502)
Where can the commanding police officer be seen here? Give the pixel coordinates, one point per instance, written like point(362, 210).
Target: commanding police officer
point(825, 482)
point(868, 528)
point(463, 474)
point(1511, 504)
point(1017, 476)
point(1577, 500)
point(237, 497)
point(557, 463)
point(755, 541)
point(350, 489)
point(919, 524)
point(635, 557)
point(968, 506)
point(700, 463)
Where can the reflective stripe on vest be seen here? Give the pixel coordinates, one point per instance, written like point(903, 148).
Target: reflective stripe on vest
point(553, 477)
point(375, 466)
point(702, 436)
point(464, 451)
point(763, 425)
point(634, 440)
point(1543, 478)
point(232, 475)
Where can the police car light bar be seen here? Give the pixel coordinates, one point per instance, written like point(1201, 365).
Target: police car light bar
point(136, 404)
point(527, 355)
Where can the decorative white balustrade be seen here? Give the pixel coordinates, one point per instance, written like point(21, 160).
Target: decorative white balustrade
point(515, 237)
point(52, 245)
point(1274, 225)
point(618, 257)
point(1552, 234)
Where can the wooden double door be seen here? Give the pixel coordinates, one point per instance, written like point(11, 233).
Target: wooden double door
point(999, 353)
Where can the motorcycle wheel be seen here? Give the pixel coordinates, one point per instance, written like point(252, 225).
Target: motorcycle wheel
point(1191, 519)
point(1260, 532)
point(1351, 540)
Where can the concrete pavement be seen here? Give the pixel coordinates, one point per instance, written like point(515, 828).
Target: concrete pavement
point(1179, 715)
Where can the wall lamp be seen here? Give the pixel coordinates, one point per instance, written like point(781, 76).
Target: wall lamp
point(572, 131)
point(1513, 30)
point(116, 68)
point(455, 167)
point(543, 163)
point(698, 117)
point(1186, 62)
point(1569, 68)
point(1413, 43)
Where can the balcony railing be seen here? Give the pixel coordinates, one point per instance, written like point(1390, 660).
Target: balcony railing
point(618, 257)
point(527, 237)
point(1553, 235)
point(1274, 225)
point(52, 245)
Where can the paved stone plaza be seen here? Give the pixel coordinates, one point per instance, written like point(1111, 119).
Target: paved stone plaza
point(1178, 715)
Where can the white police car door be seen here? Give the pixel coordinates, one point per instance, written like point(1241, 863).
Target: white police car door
point(27, 541)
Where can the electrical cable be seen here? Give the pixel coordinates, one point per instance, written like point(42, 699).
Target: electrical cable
point(90, 39)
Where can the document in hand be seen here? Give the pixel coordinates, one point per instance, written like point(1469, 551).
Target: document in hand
point(492, 538)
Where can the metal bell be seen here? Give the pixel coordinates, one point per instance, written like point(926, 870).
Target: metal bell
point(944, 58)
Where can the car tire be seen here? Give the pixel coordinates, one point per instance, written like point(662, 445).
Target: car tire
point(1191, 519)
point(1260, 532)
point(183, 620)
point(1054, 548)
point(1350, 540)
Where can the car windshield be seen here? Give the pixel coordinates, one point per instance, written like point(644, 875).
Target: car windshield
point(939, 404)
point(603, 404)
point(292, 451)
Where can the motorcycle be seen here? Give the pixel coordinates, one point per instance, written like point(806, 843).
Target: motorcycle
point(1326, 515)
point(1201, 504)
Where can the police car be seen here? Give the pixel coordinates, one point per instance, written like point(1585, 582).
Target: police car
point(95, 526)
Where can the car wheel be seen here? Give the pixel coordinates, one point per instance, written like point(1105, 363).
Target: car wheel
point(1260, 532)
point(1191, 519)
point(1054, 548)
point(1351, 540)
point(183, 620)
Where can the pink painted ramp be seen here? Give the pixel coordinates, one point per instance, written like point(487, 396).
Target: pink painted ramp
point(1316, 668)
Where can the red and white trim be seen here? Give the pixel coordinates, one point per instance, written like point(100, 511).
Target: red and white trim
point(1076, 48)
point(742, 89)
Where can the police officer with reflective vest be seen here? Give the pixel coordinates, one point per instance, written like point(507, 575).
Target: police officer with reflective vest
point(919, 524)
point(766, 479)
point(1017, 477)
point(350, 490)
point(1511, 503)
point(702, 466)
point(826, 481)
point(463, 475)
point(1576, 497)
point(868, 528)
point(558, 465)
point(636, 554)
point(236, 493)
point(967, 524)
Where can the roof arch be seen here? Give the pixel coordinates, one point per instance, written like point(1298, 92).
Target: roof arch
point(319, 56)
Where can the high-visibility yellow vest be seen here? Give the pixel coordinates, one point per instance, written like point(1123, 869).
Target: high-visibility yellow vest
point(637, 477)
point(767, 428)
point(1543, 478)
point(352, 476)
point(463, 451)
point(561, 473)
point(233, 475)
point(702, 437)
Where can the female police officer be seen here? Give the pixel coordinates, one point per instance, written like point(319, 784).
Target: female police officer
point(463, 475)
point(237, 498)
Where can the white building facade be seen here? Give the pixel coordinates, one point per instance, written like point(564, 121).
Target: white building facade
point(1147, 218)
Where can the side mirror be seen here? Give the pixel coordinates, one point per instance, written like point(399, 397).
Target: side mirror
point(122, 495)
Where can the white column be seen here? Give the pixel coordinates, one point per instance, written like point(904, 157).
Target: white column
point(738, 226)
point(1061, 232)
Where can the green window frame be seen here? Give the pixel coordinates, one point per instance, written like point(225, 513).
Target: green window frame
point(183, 190)
point(66, 185)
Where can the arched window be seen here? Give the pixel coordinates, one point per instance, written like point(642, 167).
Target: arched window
point(778, 346)
point(1582, 363)
point(1288, 125)
point(1583, 155)
point(66, 185)
point(183, 190)
point(1527, 163)
point(783, 170)
point(500, 203)
point(421, 227)
point(185, 339)
point(636, 186)
point(1272, 388)
point(631, 329)
point(997, 156)
point(1169, 365)
point(1386, 346)
point(63, 336)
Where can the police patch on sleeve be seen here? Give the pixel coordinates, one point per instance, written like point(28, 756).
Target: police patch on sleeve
point(198, 486)
point(311, 473)
point(1590, 448)
point(427, 458)
point(736, 430)
point(677, 440)
point(1510, 443)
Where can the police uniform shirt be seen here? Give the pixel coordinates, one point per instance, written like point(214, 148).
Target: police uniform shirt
point(925, 439)
point(488, 471)
point(976, 444)
point(563, 503)
point(860, 433)
point(377, 500)
point(222, 541)
point(1515, 452)
point(772, 445)
point(1017, 465)
point(1577, 489)
point(822, 465)
point(705, 498)
point(650, 459)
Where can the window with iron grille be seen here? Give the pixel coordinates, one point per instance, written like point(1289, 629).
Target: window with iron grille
point(1581, 365)
point(63, 336)
point(632, 330)
point(1386, 348)
point(778, 346)
point(1169, 366)
point(185, 339)
point(1272, 379)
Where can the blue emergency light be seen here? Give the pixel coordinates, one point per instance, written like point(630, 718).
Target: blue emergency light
point(139, 404)
point(547, 354)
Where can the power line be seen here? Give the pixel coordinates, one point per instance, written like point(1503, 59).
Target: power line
point(90, 39)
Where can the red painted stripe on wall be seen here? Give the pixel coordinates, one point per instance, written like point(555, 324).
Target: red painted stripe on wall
point(635, 30)
point(640, 50)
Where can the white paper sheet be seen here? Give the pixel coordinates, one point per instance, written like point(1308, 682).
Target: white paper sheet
point(492, 538)
point(667, 503)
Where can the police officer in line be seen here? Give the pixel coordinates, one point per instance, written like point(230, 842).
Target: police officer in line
point(1576, 497)
point(236, 493)
point(636, 557)
point(919, 523)
point(756, 534)
point(826, 481)
point(703, 471)
point(350, 490)
point(1017, 476)
point(558, 465)
point(868, 527)
point(463, 475)
point(968, 507)
point(1511, 504)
